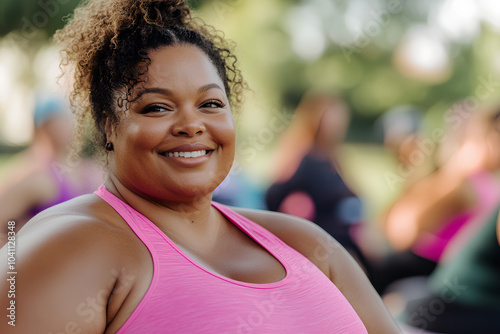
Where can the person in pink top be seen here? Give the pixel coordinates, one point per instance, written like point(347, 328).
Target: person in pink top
point(423, 222)
point(150, 252)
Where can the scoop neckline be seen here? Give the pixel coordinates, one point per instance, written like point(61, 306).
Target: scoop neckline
point(250, 234)
point(233, 220)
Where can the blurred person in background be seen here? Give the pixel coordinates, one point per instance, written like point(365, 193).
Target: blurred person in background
point(420, 224)
point(401, 127)
point(307, 175)
point(462, 295)
point(43, 175)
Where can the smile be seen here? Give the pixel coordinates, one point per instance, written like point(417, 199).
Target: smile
point(193, 154)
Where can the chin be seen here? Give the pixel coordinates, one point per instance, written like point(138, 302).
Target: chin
point(183, 189)
point(203, 185)
point(194, 191)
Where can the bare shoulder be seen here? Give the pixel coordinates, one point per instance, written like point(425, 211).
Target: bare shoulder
point(331, 258)
point(85, 231)
point(65, 258)
point(85, 223)
point(304, 236)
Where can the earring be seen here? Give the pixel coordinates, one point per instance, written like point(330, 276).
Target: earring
point(109, 146)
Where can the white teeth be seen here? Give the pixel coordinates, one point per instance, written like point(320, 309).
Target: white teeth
point(193, 154)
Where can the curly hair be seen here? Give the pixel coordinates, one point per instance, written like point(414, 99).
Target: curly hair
point(106, 45)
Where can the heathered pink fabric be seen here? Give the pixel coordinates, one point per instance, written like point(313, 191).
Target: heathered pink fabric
point(184, 297)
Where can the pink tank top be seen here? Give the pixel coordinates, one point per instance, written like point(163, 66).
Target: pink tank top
point(184, 297)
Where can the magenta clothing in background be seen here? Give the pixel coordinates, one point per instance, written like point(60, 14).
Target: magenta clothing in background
point(185, 297)
point(487, 189)
point(65, 191)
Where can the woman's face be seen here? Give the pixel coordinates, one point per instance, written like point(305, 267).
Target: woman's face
point(333, 125)
point(176, 141)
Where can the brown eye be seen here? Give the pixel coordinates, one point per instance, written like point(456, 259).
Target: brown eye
point(213, 104)
point(153, 109)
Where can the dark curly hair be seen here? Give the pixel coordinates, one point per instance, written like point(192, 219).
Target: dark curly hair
point(106, 44)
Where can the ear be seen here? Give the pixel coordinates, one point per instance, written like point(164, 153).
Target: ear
point(109, 129)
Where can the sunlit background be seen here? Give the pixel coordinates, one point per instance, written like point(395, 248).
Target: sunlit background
point(376, 54)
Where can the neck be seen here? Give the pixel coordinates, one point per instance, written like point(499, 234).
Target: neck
point(180, 220)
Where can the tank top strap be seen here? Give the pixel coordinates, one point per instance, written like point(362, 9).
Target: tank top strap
point(256, 231)
point(134, 219)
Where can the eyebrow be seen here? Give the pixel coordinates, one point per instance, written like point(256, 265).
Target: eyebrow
point(206, 88)
point(166, 91)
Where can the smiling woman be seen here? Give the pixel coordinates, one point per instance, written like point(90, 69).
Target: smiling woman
point(150, 252)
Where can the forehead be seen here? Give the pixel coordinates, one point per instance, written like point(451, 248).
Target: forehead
point(180, 65)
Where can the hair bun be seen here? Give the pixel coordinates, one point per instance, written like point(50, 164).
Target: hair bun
point(164, 12)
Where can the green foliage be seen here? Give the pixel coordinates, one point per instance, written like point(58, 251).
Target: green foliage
point(25, 17)
point(361, 67)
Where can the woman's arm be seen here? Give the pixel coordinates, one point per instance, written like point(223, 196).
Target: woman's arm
point(60, 280)
point(425, 207)
point(331, 258)
point(21, 193)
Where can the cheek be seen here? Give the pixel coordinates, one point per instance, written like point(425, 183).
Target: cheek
point(139, 136)
point(227, 140)
point(229, 135)
point(225, 134)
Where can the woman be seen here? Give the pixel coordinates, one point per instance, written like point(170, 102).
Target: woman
point(307, 182)
point(424, 220)
point(463, 295)
point(43, 175)
point(149, 252)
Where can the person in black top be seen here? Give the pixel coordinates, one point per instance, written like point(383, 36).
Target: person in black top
point(307, 181)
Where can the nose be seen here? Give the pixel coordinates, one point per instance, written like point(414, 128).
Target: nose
point(188, 123)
